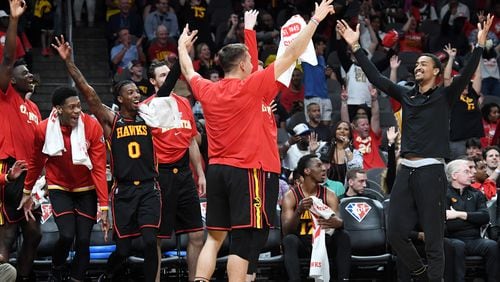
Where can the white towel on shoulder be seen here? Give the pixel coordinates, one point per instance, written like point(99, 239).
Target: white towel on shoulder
point(289, 32)
point(320, 266)
point(54, 142)
point(161, 112)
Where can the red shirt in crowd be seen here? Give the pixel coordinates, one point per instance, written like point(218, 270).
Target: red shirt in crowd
point(19, 45)
point(369, 148)
point(18, 122)
point(161, 53)
point(171, 144)
point(60, 172)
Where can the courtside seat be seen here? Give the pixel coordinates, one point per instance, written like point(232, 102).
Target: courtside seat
point(365, 222)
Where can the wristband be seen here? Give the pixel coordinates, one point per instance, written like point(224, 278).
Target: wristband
point(314, 20)
point(355, 47)
point(26, 192)
point(480, 45)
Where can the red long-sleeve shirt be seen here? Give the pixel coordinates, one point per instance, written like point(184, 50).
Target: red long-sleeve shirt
point(61, 173)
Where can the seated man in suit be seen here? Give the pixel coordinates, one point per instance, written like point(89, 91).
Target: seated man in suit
point(466, 212)
point(297, 222)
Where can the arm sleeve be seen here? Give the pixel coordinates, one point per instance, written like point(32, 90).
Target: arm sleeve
point(460, 82)
point(481, 215)
point(391, 168)
point(97, 154)
point(36, 161)
point(345, 61)
point(376, 78)
point(251, 43)
point(169, 84)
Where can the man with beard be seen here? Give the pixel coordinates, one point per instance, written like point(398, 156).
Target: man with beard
point(419, 190)
point(314, 122)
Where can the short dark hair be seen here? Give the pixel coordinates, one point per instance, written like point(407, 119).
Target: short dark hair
point(489, 148)
point(435, 59)
point(352, 173)
point(311, 104)
point(20, 62)
point(118, 87)
point(154, 65)
point(473, 142)
point(62, 93)
point(230, 55)
point(304, 163)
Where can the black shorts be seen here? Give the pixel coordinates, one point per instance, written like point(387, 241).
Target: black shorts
point(74, 203)
point(11, 195)
point(135, 207)
point(180, 202)
point(238, 198)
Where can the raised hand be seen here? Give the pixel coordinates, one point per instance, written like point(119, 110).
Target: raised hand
point(251, 19)
point(343, 94)
point(452, 52)
point(187, 38)
point(313, 142)
point(483, 29)
point(17, 8)
point(349, 35)
point(392, 134)
point(17, 169)
point(395, 62)
point(62, 47)
point(480, 16)
point(323, 9)
point(373, 92)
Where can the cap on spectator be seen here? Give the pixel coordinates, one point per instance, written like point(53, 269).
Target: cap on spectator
point(301, 129)
point(390, 38)
point(3, 14)
point(134, 63)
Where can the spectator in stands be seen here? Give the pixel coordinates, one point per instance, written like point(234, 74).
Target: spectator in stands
point(195, 13)
point(490, 72)
point(302, 143)
point(165, 15)
point(77, 11)
point(203, 62)
point(162, 46)
point(356, 183)
point(482, 181)
point(4, 24)
point(235, 32)
point(455, 9)
point(412, 40)
point(126, 18)
point(315, 89)
point(335, 186)
point(294, 92)
point(135, 72)
point(367, 133)
point(297, 224)
point(454, 34)
point(466, 213)
point(465, 115)
point(44, 18)
point(268, 35)
point(473, 148)
point(223, 29)
point(491, 155)
point(423, 10)
point(314, 123)
point(491, 114)
point(125, 51)
point(342, 154)
point(425, 136)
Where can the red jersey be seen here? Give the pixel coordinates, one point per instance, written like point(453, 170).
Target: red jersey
point(161, 53)
point(171, 144)
point(369, 148)
point(269, 155)
point(233, 114)
point(18, 122)
point(60, 172)
point(288, 96)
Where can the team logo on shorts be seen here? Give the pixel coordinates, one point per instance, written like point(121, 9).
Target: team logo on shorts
point(358, 210)
point(46, 212)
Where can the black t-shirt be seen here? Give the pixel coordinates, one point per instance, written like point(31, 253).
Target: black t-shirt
point(465, 119)
point(322, 131)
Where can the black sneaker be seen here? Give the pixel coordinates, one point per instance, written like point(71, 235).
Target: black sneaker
point(103, 278)
point(58, 274)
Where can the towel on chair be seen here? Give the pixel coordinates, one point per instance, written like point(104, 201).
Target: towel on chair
point(54, 142)
point(161, 112)
point(289, 32)
point(319, 268)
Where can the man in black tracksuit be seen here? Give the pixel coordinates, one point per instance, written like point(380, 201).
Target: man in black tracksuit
point(419, 190)
point(466, 212)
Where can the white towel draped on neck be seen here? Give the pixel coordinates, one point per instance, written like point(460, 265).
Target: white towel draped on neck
point(54, 142)
point(289, 32)
point(320, 267)
point(161, 112)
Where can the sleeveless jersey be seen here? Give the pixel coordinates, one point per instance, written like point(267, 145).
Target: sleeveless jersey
point(132, 152)
point(305, 227)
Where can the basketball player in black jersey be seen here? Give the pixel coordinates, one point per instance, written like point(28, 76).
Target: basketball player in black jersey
point(297, 225)
point(135, 196)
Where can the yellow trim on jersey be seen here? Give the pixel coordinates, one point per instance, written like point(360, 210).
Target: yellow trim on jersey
point(258, 205)
point(80, 189)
